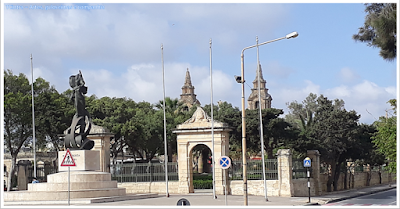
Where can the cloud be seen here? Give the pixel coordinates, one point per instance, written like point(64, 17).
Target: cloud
point(291, 94)
point(347, 75)
point(276, 70)
point(366, 98)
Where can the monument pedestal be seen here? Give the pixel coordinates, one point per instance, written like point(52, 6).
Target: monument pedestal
point(83, 184)
point(85, 160)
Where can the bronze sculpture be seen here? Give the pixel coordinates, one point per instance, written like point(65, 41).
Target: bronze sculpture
point(75, 137)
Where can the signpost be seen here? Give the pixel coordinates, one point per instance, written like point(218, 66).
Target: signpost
point(68, 161)
point(307, 164)
point(225, 163)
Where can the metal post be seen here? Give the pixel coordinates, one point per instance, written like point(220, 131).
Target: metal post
point(69, 185)
point(33, 124)
point(226, 200)
point(309, 186)
point(244, 136)
point(212, 125)
point(165, 127)
point(261, 123)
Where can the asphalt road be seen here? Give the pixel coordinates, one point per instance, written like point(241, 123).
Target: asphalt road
point(385, 198)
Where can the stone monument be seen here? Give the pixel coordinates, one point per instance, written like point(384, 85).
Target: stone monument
point(198, 130)
point(90, 178)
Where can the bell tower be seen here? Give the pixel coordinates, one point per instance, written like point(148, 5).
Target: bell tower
point(265, 96)
point(188, 97)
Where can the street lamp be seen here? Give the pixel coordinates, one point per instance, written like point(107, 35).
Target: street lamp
point(240, 79)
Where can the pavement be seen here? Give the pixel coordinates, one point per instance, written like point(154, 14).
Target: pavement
point(203, 198)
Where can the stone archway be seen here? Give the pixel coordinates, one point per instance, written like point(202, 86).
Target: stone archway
point(198, 130)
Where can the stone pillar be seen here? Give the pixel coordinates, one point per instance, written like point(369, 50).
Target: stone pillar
point(285, 173)
point(101, 137)
point(316, 166)
point(183, 173)
point(23, 180)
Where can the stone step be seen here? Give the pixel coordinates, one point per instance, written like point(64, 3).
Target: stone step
point(73, 186)
point(62, 195)
point(84, 200)
point(79, 176)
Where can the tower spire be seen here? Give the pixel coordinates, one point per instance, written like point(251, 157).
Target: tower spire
point(188, 97)
point(188, 81)
point(261, 75)
point(265, 96)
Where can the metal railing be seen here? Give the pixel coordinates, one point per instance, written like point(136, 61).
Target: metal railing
point(254, 170)
point(143, 172)
point(298, 169)
point(41, 172)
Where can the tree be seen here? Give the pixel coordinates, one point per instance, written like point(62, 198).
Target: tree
point(276, 133)
point(174, 115)
point(276, 130)
point(53, 114)
point(328, 127)
point(17, 115)
point(334, 132)
point(113, 114)
point(224, 112)
point(379, 29)
point(385, 138)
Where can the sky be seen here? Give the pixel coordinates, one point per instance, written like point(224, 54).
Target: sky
point(117, 47)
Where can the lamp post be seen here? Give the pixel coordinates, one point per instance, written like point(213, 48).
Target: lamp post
point(240, 79)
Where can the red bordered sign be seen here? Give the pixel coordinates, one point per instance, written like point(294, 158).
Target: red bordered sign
point(68, 160)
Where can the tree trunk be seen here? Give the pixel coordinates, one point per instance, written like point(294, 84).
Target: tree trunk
point(12, 172)
point(336, 177)
point(369, 174)
point(331, 176)
point(269, 151)
point(345, 179)
point(169, 152)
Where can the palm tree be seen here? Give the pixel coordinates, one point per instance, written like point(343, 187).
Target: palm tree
point(174, 115)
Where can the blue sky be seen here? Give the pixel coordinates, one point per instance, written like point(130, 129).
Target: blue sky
point(117, 48)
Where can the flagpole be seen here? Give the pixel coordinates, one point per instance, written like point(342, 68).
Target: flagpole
point(33, 125)
point(261, 123)
point(212, 125)
point(165, 127)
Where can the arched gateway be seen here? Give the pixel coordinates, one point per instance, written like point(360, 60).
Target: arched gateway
point(198, 130)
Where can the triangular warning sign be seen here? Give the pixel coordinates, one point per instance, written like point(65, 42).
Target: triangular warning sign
point(68, 160)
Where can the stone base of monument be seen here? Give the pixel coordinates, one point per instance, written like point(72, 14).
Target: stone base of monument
point(85, 160)
point(90, 186)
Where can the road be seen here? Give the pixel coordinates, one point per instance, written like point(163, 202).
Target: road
point(385, 198)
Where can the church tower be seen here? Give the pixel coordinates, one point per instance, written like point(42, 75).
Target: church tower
point(188, 97)
point(265, 97)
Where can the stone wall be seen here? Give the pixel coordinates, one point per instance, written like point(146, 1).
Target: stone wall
point(358, 180)
point(150, 187)
point(255, 187)
point(300, 187)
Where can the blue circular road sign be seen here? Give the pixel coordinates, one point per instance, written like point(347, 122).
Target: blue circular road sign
point(224, 162)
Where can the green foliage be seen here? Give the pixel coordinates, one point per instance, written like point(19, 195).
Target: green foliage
point(202, 177)
point(385, 140)
point(379, 29)
point(202, 184)
point(140, 126)
point(325, 125)
point(53, 114)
